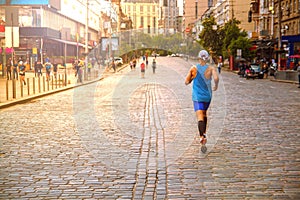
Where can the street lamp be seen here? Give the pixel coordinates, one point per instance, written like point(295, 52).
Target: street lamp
point(86, 39)
point(86, 27)
point(279, 33)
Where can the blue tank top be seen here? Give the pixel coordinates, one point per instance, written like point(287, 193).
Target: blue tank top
point(201, 86)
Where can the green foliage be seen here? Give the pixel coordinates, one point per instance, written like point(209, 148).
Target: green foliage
point(243, 44)
point(172, 43)
point(212, 36)
point(232, 32)
point(224, 40)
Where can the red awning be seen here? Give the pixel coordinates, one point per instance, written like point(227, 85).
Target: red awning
point(295, 56)
point(2, 28)
point(254, 47)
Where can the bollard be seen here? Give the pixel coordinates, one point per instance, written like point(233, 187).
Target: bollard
point(59, 80)
point(6, 89)
point(39, 84)
point(44, 84)
point(33, 85)
point(66, 78)
point(56, 82)
point(48, 84)
point(14, 88)
point(63, 81)
point(28, 86)
point(21, 84)
point(52, 83)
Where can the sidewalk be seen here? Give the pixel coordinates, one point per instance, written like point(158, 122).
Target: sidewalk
point(97, 74)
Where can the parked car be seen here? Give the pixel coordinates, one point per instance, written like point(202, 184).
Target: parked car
point(257, 70)
point(118, 61)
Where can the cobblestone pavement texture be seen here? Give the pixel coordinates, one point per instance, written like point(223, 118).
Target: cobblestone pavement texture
point(127, 137)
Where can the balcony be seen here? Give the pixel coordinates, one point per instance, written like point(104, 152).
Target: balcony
point(264, 33)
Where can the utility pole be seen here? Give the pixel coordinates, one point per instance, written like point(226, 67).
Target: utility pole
point(86, 39)
point(279, 33)
point(232, 10)
point(272, 19)
point(86, 26)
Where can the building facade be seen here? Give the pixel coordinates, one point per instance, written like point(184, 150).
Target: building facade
point(143, 14)
point(152, 16)
point(288, 27)
point(193, 12)
point(45, 29)
point(277, 28)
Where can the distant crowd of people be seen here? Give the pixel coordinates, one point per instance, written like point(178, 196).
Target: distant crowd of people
point(16, 68)
point(144, 64)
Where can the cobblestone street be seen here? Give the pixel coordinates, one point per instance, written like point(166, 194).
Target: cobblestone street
point(127, 137)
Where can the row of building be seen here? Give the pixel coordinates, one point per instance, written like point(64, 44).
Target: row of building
point(272, 25)
point(70, 28)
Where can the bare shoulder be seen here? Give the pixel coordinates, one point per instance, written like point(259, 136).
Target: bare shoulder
point(193, 67)
point(211, 68)
point(209, 71)
point(193, 70)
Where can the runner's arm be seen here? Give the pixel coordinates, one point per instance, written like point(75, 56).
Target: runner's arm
point(191, 75)
point(216, 78)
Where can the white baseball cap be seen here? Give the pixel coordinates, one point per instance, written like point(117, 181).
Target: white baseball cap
point(203, 54)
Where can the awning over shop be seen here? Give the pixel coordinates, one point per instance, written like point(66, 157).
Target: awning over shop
point(291, 38)
point(69, 42)
point(264, 44)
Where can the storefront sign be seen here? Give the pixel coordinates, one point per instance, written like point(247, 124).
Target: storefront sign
point(34, 50)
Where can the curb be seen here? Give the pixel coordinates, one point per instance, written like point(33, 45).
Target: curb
point(274, 80)
point(30, 98)
point(284, 81)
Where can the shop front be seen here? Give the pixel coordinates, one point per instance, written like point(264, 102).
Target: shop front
point(293, 48)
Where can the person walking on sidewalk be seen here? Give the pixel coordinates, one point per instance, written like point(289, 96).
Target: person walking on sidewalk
point(55, 69)
point(153, 65)
point(220, 66)
point(39, 68)
point(113, 65)
point(8, 69)
point(201, 75)
point(48, 67)
point(78, 67)
point(15, 69)
point(22, 70)
point(143, 66)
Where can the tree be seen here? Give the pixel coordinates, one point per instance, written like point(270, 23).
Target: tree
point(231, 33)
point(212, 36)
point(242, 43)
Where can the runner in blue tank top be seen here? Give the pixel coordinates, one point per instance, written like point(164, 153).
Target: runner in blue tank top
point(201, 75)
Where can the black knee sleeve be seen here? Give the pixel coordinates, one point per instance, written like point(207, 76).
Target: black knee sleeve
point(205, 122)
point(201, 127)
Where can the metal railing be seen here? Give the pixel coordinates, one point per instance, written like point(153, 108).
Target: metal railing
point(14, 89)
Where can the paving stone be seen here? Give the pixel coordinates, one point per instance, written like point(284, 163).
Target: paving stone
point(128, 137)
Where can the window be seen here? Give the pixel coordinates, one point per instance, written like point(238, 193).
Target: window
point(142, 22)
point(30, 17)
point(141, 8)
